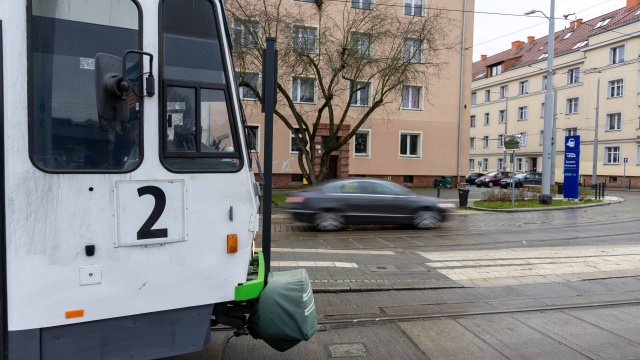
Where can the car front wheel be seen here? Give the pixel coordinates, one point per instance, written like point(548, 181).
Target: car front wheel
point(328, 222)
point(426, 219)
point(490, 184)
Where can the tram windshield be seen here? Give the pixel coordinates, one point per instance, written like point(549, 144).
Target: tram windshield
point(66, 134)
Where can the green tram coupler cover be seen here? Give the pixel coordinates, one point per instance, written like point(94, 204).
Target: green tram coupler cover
point(286, 311)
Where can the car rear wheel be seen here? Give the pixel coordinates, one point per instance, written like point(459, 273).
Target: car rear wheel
point(519, 185)
point(426, 219)
point(328, 222)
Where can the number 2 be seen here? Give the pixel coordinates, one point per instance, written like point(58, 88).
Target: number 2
point(146, 231)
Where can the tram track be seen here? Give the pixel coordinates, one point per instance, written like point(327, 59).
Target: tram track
point(448, 315)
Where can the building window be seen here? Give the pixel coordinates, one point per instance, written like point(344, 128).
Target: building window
point(407, 179)
point(616, 88)
point(413, 7)
point(544, 82)
point(473, 98)
point(581, 44)
point(504, 91)
point(304, 39)
point(294, 147)
point(496, 70)
point(518, 164)
point(252, 80)
point(487, 95)
point(359, 94)
point(502, 116)
point(542, 110)
point(614, 122)
point(253, 137)
point(572, 106)
point(296, 177)
point(571, 131)
point(472, 162)
point(602, 22)
point(411, 97)
point(473, 121)
point(612, 155)
point(409, 144)
point(303, 90)
point(500, 140)
point(573, 76)
point(361, 4)
point(361, 44)
point(616, 55)
point(412, 51)
point(523, 87)
point(472, 143)
point(523, 138)
point(246, 33)
point(543, 56)
point(566, 36)
point(541, 137)
point(485, 142)
point(485, 164)
point(361, 143)
point(501, 164)
point(486, 119)
point(522, 113)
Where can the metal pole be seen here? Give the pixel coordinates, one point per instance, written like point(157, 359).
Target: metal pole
point(594, 173)
point(464, 29)
point(506, 120)
point(554, 134)
point(624, 175)
point(270, 78)
point(513, 192)
point(545, 196)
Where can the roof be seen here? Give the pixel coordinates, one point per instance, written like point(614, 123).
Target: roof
point(530, 53)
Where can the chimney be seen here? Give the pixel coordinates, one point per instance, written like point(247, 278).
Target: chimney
point(579, 21)
point(632, 3)
point(572, 24)
point(516, 44)
point(530, 39)
point(483, 57)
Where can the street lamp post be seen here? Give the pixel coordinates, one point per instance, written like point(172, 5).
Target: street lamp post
point(545, 196)
point(504, 95)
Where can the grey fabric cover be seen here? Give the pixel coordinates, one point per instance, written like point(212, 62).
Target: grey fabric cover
point(286, 311)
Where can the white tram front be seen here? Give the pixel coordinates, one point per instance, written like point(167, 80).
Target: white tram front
point(128, 203)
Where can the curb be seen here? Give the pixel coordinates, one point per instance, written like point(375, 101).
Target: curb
point(611, 200)
point(360, 286)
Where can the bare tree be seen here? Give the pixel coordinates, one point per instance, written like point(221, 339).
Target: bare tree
point(339, 62)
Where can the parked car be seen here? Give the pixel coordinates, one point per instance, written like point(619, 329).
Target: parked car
point(492, 179)
point(528, 178)
point(335, 204)
point(471, 178)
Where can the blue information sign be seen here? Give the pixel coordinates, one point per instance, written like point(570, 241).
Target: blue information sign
point(571, 166)
point(626, 160)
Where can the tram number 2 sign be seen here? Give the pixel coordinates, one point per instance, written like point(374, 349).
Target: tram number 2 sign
point(150, 212)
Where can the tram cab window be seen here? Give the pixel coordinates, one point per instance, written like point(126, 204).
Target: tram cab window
point(198, 132)
point(65, 133)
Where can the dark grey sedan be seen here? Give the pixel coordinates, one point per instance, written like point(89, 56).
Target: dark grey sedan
point(333, 205)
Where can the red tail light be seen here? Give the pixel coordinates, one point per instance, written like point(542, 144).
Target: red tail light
point(295, 199)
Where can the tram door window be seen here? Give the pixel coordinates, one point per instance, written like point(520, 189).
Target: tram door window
point(199, 134)
point(66, 134)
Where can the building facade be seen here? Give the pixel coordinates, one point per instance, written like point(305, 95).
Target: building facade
point(596, 72)
point(418, 136)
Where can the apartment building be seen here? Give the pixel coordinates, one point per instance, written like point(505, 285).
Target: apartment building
point(508, 97)
point(418, 135)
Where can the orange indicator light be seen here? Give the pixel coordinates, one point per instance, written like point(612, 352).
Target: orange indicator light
point(232, 243)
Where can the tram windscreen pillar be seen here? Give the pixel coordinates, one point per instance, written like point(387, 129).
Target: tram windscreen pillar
point(269, 88)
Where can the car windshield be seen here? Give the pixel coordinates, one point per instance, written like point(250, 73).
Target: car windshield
point(521, 176)
point(492, 173)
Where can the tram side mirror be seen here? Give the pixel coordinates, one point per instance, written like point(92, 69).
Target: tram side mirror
point(112, 89)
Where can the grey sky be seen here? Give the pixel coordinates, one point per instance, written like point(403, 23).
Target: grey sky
point(494, 33)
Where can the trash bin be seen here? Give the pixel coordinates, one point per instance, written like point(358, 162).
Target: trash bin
point(560, 188)
point(463, 195)
point(444, 181)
